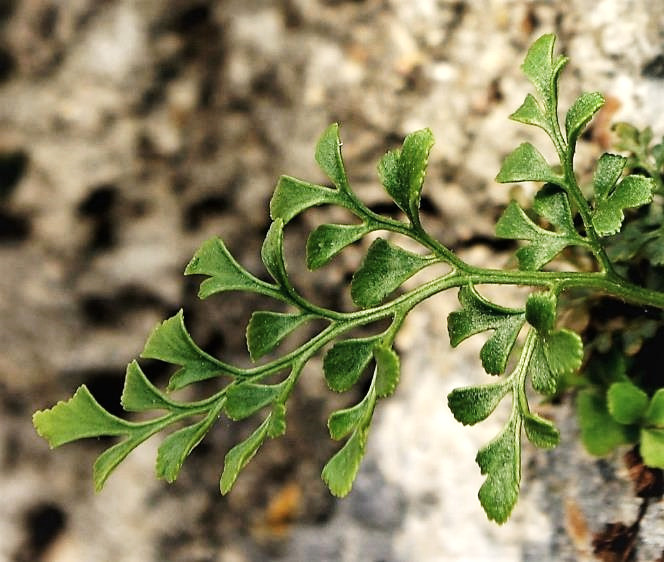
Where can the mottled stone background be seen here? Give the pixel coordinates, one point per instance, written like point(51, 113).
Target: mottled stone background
point(132, 130)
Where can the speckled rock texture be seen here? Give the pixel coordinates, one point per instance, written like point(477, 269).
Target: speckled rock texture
point(132, 130)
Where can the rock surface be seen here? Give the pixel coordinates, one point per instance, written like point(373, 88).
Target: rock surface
point(132, 131)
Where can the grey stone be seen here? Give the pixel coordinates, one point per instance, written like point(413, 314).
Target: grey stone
point(191, 110)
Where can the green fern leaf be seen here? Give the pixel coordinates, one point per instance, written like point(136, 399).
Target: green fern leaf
point(552, 204)
point(472, 404)
point(626, 402)
point(581, 112)
point(540, 432)
point(246, 398)
point(342, 422)
point(240, 455)
point(340, 471)
point(346, 361)
point(327, 240)
point(387, 370)
point(140, 395)
point(500, 461)
point(478, 315)
point(80, 417)
point(328, 156)
point(225, 274)
point(402, 172)
point(543, 70)
point(383, 270)
point(292, 196)
point(174, 450)
point(526, 164)
point(170, 342)
point(266, 330)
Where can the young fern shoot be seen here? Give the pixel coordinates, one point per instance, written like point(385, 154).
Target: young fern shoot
point(546, 352)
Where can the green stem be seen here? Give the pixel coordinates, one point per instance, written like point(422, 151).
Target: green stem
point(574, 191)
point(521, 371)
point(610, 284)
point(566, 157)
point(415, 232)
point(154, 426)
point(398, 308)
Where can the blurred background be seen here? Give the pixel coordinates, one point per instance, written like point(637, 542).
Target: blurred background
point(133, 130)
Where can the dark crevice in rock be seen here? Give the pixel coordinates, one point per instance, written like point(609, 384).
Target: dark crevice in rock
point(105, 384)
point(617, 541)
point(646, 366)
point(393, 139)
point(654, 68)
point(43, 523)
point(12, 447)
point(215, 343)
point(157, 371)
point(209, 145)
point(103, 236)
point(267, 85)
point(109, 310)
point(209, 206)
point(14, 227)
point(291, 14)
point(167, 70)
point(7, 8)
point(427, 206)
point(495, 94)
point(154, 95)
point(7, 63)
point(12, 403)
point(150, 98)
point(385, 208)
point(99, 202)
point(495, 244)
point(98, 206)
point(648, 482)
point(48, 20)
point(210, 88)
point(416, 81)
point(191, 18)
point(530, 21)
point(145, 147)
point(13, 166)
